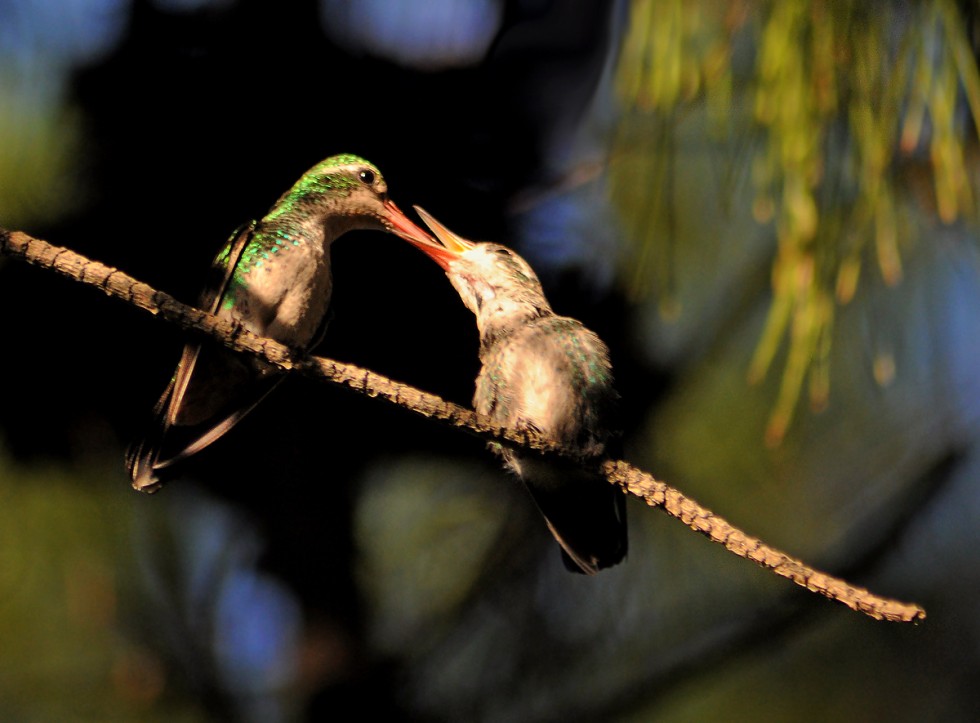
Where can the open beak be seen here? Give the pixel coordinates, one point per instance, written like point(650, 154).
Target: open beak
point(403, 226)
point(451, 244)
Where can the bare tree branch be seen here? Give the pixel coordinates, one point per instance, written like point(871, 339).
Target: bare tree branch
point(634, 481)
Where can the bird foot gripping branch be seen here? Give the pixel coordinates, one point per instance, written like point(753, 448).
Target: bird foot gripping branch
point(119, 285)
point(273, 279)
point(546, 373)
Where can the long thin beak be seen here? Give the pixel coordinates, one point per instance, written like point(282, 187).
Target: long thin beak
point(449, 247)
point(451, 241)
point(402, 226)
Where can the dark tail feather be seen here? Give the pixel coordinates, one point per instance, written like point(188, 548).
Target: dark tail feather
point(202, 436)
point(141, 462)
point(164, 445)
point(586, 514)
point(142, 455)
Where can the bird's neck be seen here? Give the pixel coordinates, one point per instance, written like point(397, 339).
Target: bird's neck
point(313, 232)
point(502, 317)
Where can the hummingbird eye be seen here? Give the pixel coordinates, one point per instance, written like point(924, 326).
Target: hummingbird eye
point(366, 176)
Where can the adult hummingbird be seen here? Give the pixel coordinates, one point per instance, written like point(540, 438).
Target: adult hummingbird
point(272, 278)
point(547, 372)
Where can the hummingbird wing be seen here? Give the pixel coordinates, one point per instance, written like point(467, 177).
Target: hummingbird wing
point(554, 375)
point(182, 403)
point(231, 369)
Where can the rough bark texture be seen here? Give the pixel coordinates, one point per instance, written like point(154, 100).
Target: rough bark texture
point(636, 482)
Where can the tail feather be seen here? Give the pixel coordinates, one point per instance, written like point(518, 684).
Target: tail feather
point(186, 403)
point(166, 443)
point(142, 455)
point(585, 514)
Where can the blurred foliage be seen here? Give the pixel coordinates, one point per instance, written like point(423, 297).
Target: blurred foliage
point(36, 161)
point(424, 542)
point(65, 562)
point(844, 105)
point(41, 140)
point(834, 133)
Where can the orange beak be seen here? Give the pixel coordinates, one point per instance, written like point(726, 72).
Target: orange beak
point(402, 226)
point(450, 247)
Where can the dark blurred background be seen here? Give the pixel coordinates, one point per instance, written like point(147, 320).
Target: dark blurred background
point(767, 209)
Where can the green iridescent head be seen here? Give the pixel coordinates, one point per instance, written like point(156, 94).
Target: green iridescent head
point(335, 179)
point(348, 191)
point(339, 194)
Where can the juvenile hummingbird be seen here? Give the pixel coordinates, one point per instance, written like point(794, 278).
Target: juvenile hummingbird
point(546, 372)
point(272, 278)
